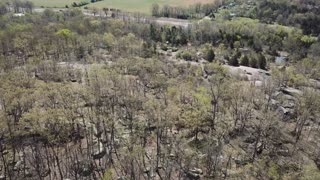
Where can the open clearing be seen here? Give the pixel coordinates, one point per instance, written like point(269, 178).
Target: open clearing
point(55, 3)
point(143, 6)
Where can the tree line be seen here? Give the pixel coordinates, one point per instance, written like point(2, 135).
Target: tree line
point(16, 6)
point(303, 14)
point(194, 11)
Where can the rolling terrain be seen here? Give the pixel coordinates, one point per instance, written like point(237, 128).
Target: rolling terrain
point(142, 6)
point(212, 91)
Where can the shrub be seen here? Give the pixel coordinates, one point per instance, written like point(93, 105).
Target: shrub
point(164, 47)
point(253, 62)
point(262, 62)
point(234, 59)
point(209, 56)
point(74, 4)
point(186, 55)
point(175, 49)
point(208, 53)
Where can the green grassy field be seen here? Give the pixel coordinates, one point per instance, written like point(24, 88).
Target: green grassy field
point(54, 3)
point(143, 6)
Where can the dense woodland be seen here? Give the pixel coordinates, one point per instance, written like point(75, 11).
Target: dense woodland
point(195, 11)
point(85, 97)
point(303, 14)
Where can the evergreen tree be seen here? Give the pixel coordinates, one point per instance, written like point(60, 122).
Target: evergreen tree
point(253, 62)
point(155, 9)
point(234, 60)
point(210, 55)
point(153, 33)
point(262, 62)
point(244, 61)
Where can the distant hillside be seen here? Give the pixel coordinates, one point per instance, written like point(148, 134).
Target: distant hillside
point(143, 6)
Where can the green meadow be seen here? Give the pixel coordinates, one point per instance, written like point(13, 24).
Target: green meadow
point(142, 6)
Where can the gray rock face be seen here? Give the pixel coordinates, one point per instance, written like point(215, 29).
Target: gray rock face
point(18, 166)
point(283, 110)
point(191, 175)
point(315, 83)
point(292, 92)
point(289, 104)
point(287, 113)
point(289, 97)
point(5, 152)
point(122, 178)
point(29, 174)
point(196, 171)
point(258, 83)
point(283, 152)
point(98, 151)
point(284, 101)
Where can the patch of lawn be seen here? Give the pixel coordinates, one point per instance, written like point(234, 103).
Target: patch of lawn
point(143, 6)
point(55, 3)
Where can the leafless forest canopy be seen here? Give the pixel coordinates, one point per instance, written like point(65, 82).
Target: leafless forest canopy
point(229, 92)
